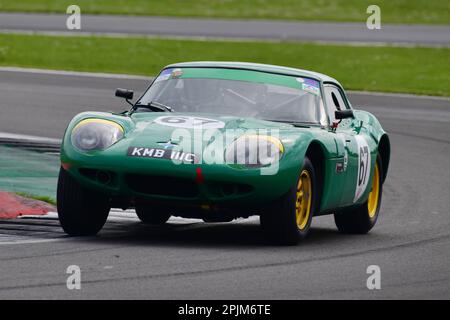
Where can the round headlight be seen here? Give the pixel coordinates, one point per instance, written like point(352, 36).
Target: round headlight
point(96, 134)
point(254, 151)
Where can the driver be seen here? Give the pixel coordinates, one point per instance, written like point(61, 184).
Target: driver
point(198, 93)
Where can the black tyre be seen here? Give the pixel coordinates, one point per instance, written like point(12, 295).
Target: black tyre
point(152, 214)
point(81, 212)
point(288, 219)
point(362, 219)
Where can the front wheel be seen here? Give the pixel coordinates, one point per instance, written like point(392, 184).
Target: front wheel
point(288, 219)
point(362, 219)
point(81, 212)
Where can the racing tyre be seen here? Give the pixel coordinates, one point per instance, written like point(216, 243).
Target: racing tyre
point(361, 219)
point(151, 214)
point(81, 212)
point(288, 219)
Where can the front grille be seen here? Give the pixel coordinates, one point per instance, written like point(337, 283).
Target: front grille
point(162, 185)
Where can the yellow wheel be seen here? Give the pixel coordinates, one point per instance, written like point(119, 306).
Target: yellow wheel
point(372, 201)
point(304, 200)
point(362, 218)
point(288, 219)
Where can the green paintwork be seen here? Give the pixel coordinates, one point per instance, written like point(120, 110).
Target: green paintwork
point(140, 131)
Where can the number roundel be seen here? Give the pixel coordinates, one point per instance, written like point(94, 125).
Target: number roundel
point(189, 122)
point(364, 163)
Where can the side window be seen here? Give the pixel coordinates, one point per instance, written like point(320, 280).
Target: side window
point(334, 100)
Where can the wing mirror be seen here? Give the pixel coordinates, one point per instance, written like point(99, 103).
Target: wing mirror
point(343, 114)
point(124, 93)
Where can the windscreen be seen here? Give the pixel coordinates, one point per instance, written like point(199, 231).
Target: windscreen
point(236, 92)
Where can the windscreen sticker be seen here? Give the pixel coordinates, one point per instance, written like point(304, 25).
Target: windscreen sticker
point(189, 122)
point(311, 82)
point(167, 74)
point(311, 89)
point(364, 163)
point(177, 73)
point(309, 85)
point(162, 78)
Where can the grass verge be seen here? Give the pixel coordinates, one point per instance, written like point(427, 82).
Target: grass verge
point(392, 11)
point(35, 197)
point(388, 69)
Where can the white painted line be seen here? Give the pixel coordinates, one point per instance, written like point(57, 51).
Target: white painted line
point(131, 215)
point(32, 241)
point(75, 73)
point(14, 136)
point(118, 215)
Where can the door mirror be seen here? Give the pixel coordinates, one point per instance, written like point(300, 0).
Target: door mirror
point(124, 93)
point(343, 114)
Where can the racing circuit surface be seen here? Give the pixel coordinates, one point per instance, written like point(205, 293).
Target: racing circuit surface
point(194, 260)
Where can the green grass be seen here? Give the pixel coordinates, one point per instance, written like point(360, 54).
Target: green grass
point(35, 197)
point(392, 11)
point(389, 69)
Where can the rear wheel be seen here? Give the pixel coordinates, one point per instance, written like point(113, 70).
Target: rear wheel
point(81, 212)
point(289, 218)
point(152, 214)
point(361, 219)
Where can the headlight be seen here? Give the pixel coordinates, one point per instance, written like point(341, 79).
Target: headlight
point(96, 134)
point(254, 151)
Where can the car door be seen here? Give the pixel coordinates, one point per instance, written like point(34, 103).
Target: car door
point(346, 136)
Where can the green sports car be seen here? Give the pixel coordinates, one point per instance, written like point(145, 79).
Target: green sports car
point(224, 140)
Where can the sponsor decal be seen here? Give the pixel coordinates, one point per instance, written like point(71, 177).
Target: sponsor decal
point(340, 167)
point(162, 77)
point(311, 82)
point(345, 160)
point(189, 122)
point(177, 73)
point(165, 75)
point(170, 73)
point(155, 153)
point(311, 89)
point(310, 85)
point(344, 142)
point(168, 144)
point(364, 163)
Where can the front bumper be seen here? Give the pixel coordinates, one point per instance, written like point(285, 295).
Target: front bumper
point(164, 181)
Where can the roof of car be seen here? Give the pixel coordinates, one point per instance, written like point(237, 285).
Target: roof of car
point(256, 67)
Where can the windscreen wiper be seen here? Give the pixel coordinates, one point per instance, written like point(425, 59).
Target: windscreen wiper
point(155, 106)
point(293, 123)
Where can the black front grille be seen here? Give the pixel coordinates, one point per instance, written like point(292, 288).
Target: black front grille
point(162, 185)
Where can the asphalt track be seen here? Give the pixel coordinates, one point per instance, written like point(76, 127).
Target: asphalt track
point(190, 260)
point(217, 28)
